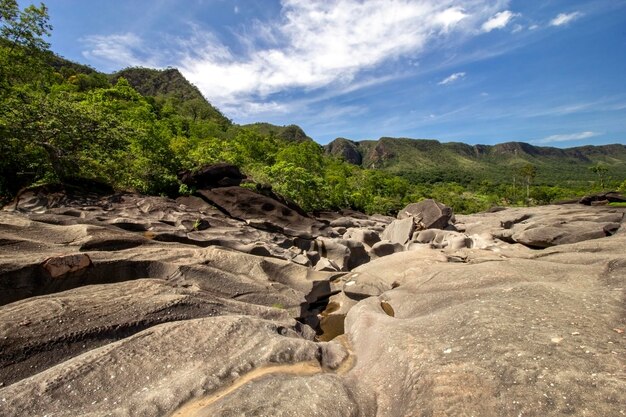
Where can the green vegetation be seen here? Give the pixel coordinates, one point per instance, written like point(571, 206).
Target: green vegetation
point(134, 130)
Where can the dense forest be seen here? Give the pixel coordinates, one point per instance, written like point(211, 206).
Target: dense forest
point(136, 129)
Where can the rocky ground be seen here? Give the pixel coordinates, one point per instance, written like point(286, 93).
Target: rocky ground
point(232, 303)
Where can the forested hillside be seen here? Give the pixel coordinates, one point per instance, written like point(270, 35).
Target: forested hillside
point(432, 161)
point(136, 129)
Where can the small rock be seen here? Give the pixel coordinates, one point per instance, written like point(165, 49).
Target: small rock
point(301, 260)
point(326, 264)
point(61, 265)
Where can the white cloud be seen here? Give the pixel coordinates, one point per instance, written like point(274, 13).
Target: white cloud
point(568, 137)
point(498, 21)
point(118, 50)
point(452, 78)
point(450, 17)
point(326, 45)
point(565, 18)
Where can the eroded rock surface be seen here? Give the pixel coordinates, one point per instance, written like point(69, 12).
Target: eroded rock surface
point(129, 305)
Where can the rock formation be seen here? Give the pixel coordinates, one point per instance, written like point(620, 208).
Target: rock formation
point(220, 305)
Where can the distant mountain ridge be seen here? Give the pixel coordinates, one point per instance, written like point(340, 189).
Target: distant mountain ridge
point(419, 160)
point(410, 157)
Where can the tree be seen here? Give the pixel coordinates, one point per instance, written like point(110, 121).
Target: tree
point(69, 133)
point(21, 41)
point(528, 172)
point(600, 170)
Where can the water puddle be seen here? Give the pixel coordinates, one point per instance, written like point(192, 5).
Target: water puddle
point(331, 325)
point(195, 407)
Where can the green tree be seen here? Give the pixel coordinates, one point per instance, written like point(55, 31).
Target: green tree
point(601, 172)
point(528, 172)
point(67, 132)
point(21, 42)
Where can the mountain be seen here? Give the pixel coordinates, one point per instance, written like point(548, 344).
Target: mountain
point(430, 160)
point(171, 84)
point(289, 133)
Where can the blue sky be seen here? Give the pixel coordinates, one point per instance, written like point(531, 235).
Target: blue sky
point(550, 72)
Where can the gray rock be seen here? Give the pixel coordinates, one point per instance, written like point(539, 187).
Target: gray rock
point(385, 248)
point(325, 264)
point(493, 329)
point(399, 231)
point(313, 256)
point(340, 230)
point(346, 254)
point(428, 214)
point(344, 222)
point(440, 239)
point(365, 236)
point(546, 236)
point(262, 212)
point(301, 260)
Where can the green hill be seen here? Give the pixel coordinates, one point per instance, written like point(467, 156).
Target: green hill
point(433, 161)
point(289, 133)
point(171, 84)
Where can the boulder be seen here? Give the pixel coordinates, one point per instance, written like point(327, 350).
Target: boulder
point(362, 285)
point(262, 212)
point(212, 176)
point(551, 235)
point(399, 231)
point(346, 254)
point(365, 236)
point(608, 197)
point(384, 248)
point(428, 214)
point(344, 222)
point(439, 239)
